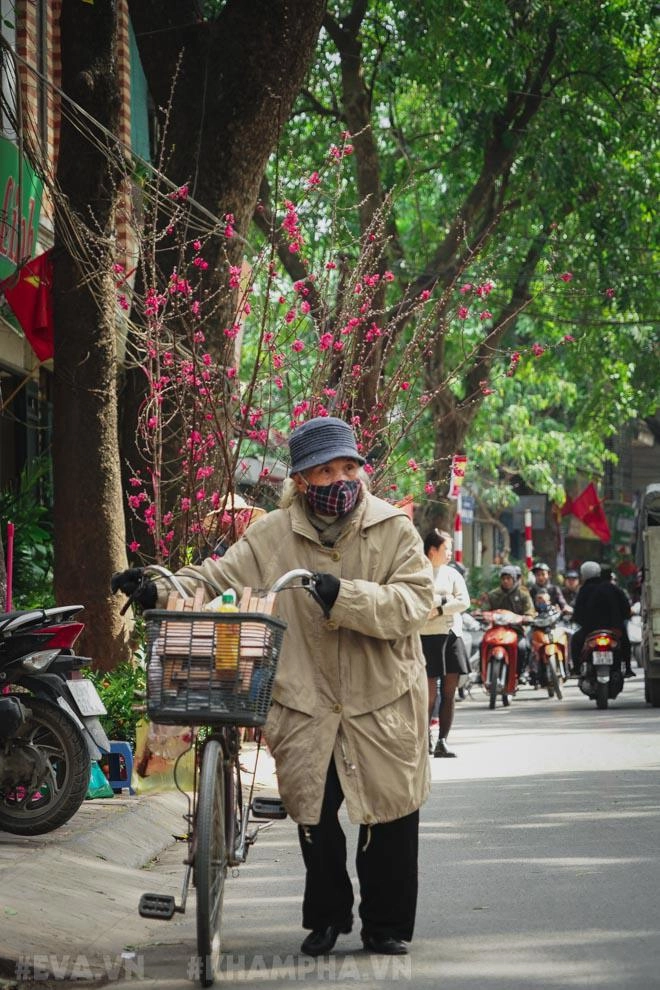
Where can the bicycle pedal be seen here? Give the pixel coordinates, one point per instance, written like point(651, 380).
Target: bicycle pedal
point(267, 807)
point(157, 906)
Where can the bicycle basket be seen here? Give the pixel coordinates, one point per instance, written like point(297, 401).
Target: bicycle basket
point(209, 668)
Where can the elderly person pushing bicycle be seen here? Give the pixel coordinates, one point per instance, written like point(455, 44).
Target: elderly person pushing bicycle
point(349, 715)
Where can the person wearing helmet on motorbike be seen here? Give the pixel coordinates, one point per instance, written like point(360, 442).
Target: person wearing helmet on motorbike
point(600, 605)
point(571, 587)
point(542, 580)
point(514, 597)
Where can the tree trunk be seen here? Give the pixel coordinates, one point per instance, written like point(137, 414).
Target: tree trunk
point(89, 523)
point(237, 77)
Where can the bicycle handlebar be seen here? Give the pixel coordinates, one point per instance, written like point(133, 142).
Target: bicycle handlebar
point(307, 581)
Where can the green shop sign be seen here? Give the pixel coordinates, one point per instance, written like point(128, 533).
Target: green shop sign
point(19, 221)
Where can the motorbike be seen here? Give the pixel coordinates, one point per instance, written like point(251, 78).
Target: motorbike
point(600, 676)
point(499, 654)
point(549, 645)
point(49, 724)
point(472, 632)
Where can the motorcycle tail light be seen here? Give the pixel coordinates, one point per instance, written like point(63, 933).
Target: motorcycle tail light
point(603, 642)
point(62, 637)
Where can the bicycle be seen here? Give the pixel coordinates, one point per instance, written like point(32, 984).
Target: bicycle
point(185, 687)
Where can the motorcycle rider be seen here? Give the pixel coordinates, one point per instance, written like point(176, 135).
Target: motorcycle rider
point(600, 605)
point(514, 597)
point(542, 580)
point(571, 587)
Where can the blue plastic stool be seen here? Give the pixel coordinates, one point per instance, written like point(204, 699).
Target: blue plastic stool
point(120, 752)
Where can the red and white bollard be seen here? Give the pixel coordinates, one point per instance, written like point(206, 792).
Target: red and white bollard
point(529, 547)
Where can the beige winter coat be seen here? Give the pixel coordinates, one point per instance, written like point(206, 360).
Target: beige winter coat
point(353, 685)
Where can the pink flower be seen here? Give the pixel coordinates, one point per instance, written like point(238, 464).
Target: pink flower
point(425, 295)
point(405, 386)
point(538, 350)
point(197, 245)
point(134, 546)
point(297, 345)
point(413, 465)
point(485, 315)
point(329, 265)
point(569, 338)
point(463, 312)
point(485, 289)
point(388, 276)
point(429, 488)
point(485, 390)
point(117, 268)
point(566, 277)
point(305, 307)
point(314, 180)
point(609, 293)
point(231, 373)
point(464, 289)
point(123, 302)
point(325, 341)
point(185, 504)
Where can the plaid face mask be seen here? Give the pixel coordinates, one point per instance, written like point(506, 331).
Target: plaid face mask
point(337, 499)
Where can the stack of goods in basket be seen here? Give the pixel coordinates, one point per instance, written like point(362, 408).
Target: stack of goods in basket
point(216, 665)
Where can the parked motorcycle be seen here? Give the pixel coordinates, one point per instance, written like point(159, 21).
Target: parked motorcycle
point(549, 644)
point(499, 654)
point(49, 725)
point(600, 676)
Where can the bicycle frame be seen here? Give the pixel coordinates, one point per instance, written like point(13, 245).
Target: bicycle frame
point(218, 832)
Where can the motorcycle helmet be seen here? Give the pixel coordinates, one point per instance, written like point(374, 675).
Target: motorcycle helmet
point(572, 574)
point(540, 567)
point(589, 569)
point(508, 571)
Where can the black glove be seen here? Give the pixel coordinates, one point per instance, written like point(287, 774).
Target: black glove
point(130, 582)
point(327, 588)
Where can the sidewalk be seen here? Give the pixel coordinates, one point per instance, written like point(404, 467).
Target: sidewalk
point(76, 890)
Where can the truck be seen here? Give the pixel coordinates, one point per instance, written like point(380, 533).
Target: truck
point(647, 558)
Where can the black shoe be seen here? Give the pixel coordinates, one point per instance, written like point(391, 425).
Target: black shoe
point(630, 673)
point(386, 945)
point(430, 744)
point(322, 940)
point(441, 749)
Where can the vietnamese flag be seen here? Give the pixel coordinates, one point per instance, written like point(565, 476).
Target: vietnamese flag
point(589, 510)
point(30, 297)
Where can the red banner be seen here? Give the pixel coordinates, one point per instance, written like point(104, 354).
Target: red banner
point(458, 467)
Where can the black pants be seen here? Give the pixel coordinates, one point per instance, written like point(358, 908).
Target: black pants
point(386, 864)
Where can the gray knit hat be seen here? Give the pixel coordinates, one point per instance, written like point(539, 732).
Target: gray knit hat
point(321, 440)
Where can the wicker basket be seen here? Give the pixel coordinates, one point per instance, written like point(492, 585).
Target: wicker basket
point(195, 678)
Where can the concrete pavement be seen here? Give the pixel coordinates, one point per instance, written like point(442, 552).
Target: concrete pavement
point(65, 894)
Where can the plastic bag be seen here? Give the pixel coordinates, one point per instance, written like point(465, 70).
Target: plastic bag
point(157, 748)
point(98, 786)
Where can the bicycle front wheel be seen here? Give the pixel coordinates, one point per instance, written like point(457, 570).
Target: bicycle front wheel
point(210, 860)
